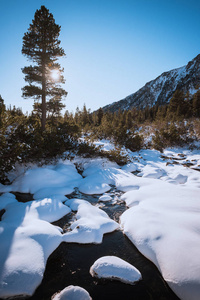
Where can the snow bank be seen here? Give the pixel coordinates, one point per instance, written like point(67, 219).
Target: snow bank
point(72, 293)
point(113, 267)
point(27, 238)
point(6, 199)
point(49, 192)
point(99, 181)
point(131, 167)
point(49, 209)
point(91, 224)
point(26, 241)
point(164, 223)
point(150, 171)
point(48, 180)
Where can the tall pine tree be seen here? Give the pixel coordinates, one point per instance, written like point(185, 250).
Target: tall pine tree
point(42, 46)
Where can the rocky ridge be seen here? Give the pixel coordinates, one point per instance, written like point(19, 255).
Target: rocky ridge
point(160, 90)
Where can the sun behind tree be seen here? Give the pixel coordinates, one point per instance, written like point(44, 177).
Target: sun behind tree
point(42, 46)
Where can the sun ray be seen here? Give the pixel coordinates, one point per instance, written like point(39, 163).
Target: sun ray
point(55, 74)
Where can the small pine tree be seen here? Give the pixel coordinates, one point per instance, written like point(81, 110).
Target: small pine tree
point(99, 115)
point(2, 110)
point(129, 121)
point(84, 116)
point(42, 46)
point(177, 104)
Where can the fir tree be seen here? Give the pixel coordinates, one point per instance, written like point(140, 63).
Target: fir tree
point(84, 116)
point(177, 104)
point(129, 121)
point(99, 115)
point(2, 110)
point(42, 46)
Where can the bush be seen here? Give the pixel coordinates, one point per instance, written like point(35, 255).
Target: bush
point(21, 140)
point(134, 143)
point(116, 155)
point(171, 136)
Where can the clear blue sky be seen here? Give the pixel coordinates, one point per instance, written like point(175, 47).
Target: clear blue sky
point(113, 47)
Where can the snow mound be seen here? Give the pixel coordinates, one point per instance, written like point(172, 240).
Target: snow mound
point(72, 293)
point(7, 199)
point(48, 192)
point(164, 224)
point(26, 241)
point(105, 198)
point(131, 167)
point(92, 187)
point(179, 179)
point(91, 224)
point(99, 181)
point(47, 180)
point(49, 209)
point(75, 202)
point(113, 267)
point(150, 171)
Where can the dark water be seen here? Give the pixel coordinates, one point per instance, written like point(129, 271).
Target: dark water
point(2, 211)
point(69, 264)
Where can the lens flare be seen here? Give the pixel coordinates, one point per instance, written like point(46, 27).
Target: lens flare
point(55, 75)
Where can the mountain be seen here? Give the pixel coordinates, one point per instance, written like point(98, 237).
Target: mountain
point(160, 90)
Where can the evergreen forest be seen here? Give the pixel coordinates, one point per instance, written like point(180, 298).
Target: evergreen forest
point(23, 140)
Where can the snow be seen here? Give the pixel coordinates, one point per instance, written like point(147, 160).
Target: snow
point(163, 221)
point(91, 187)
point(72, 293)
point(162, 218)
point(27, 238)
point(26, 241)
point(48, 180)
point(131, 167)
point(104, 144)
point(113, 267)
point(91, 224)
point(100, 180)
point(6, 199)
point(105, 198)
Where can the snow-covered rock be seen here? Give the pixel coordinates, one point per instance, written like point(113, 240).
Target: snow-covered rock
point(72, 293)
point(105, 198)
point(113, 267)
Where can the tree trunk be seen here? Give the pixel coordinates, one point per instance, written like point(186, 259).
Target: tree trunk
point(43, 121)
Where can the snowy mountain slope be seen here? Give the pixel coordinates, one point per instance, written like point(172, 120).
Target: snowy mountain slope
point(160, 90)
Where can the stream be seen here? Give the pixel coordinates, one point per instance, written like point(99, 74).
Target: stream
point(69, 264)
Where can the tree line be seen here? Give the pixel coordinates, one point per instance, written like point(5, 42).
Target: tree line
point(23, 140)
